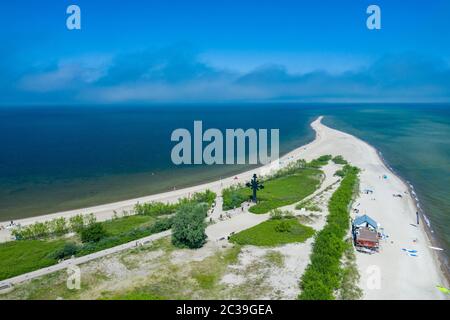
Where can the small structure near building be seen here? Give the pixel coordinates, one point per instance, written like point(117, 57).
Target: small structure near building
point(365, 234)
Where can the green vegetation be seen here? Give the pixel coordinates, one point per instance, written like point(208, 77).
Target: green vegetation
point(286, 186)
point(110, 241)
point(308, 205)
point(69, 249)
point(320, 162)
point(324, 274)
point(339, 160)
point(343, 172)
point(277, 192)
point(234, 196)
point(188, 229)
point(120, 225)
point(155, 209)
point(349, 289)
point(93, 232)
point(27, 254)
point(53, 228)
point(19, 257)
point(274, 232)
point(286, 190)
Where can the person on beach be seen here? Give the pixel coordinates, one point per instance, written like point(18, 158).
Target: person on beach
point(417, 216)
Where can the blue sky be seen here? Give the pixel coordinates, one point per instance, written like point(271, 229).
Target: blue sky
point(219, 51)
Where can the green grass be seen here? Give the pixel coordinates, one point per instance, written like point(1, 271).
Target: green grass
point(266, 233)
point(18, 257)
point(22, 256)
point(121, 225)
point(281, 191)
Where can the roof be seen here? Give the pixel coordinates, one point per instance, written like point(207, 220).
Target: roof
point(367, 235)
point(365, 219)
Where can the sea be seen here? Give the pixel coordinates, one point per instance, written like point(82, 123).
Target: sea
point(55, 158)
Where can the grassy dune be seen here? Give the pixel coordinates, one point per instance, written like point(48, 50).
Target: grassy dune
point(269, 233)
point(278, 191)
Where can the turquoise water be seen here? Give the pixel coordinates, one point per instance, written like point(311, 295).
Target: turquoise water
point(54, 159)
point(415, 142)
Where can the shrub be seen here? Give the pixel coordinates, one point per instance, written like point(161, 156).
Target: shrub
point(339, 160)
point(278, 214)
point(345, 170)
point(233, 197)
point(155, 209)
point(59, 226)
point(319, 162)
point(76, 223)
point(69, 249)
point(93, 232)
point(207, 197)
point(283, 226)
point(188, 228)
point(34, 231)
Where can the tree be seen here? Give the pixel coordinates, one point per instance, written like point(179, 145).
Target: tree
point(93, 232)
point(188, 228)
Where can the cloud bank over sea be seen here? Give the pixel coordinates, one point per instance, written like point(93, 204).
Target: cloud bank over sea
point(178, 74)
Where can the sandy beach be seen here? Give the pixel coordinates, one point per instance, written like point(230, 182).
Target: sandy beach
point(389, 274)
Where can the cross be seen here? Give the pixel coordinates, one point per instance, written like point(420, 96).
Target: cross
point(255, 185)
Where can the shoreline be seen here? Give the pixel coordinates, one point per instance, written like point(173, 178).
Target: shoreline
point(399, 271)
point(169, 195)
point(441, 258)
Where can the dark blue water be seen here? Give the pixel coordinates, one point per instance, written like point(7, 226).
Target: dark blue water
point(61, 158)
point(58, 158)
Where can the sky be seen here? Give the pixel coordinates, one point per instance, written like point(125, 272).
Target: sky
point(139, 52)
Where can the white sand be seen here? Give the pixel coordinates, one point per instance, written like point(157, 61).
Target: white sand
point(401, 276)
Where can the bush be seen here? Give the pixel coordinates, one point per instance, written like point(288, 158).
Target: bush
point(69, 249)
point(345, 170)
point(278, 214)
point(155, 209)
point(319, 162)
point(34, 231)
point(76, 223)
point(283, 226)
point(207, 197)
point(339, 160)
point(233, 197)
point(59, 226)
point(188, 228)
point(93, 232)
